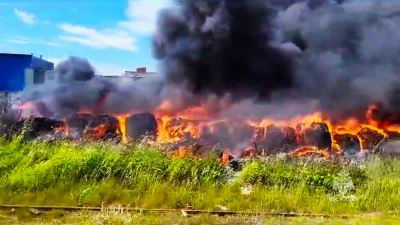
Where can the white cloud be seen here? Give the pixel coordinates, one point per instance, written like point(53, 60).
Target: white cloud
point(142, 15)
point(24, 40)
point(118, 39)
point(25, 17)
point(18, 41)
point(141, 20)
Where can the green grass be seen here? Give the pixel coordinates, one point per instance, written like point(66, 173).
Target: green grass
point(65, 173)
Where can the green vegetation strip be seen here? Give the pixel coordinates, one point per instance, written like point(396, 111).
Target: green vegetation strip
point(96, 175)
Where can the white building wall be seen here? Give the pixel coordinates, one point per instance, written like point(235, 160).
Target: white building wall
point(28, 79)
point(49, 77)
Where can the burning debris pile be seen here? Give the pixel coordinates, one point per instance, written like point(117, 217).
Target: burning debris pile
point(285, 84)
point(307, 135)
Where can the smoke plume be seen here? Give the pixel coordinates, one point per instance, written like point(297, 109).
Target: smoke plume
point(345, 56)
point(351, 51)
point(219, 47)
point(77, 89)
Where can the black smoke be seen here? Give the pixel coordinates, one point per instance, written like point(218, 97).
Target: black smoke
point(219, 47)
point(350, 53)
point(341, 54)
point(76, 89)
point(75, 69)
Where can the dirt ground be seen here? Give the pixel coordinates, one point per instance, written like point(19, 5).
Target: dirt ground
point(36, 217)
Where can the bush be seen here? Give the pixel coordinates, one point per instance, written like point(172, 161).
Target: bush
point(37, 166)
point(288, 174)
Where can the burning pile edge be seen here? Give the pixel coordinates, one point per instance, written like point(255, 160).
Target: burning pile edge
point(317, 140)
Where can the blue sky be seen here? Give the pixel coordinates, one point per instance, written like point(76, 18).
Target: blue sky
point(114, 35)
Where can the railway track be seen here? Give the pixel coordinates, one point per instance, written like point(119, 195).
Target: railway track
point(38, 208)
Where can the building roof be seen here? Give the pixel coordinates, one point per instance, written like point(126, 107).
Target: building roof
point(36, 63)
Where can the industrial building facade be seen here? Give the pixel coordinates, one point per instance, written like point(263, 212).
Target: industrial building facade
point(19, 71)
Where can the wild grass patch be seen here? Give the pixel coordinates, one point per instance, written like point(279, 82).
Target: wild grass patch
point(65, 173)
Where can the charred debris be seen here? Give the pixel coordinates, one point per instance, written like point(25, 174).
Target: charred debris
point(316, 140)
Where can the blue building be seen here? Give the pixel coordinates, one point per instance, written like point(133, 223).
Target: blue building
point(17, 71)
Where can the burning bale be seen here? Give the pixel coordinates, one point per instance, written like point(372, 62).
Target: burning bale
point(141, 125)
point(34, 127)
point(215, 133)
point(76, 125)
point(318, 135)
point(79, 121)
point(178, 128)
point(371, 137)
point(226, 134)
point(102, 127)
point(348, 143)
point(290, 137)
point(273, 139)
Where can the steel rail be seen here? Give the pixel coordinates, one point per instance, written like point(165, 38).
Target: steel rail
point(188, 212)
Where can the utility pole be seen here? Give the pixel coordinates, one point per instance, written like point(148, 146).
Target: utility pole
point(47, 50)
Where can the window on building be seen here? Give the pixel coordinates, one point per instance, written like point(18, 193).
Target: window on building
point(38, 76)
point(50, 76)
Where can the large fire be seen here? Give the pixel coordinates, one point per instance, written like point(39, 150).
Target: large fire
point(305, 135)
point(298, 132)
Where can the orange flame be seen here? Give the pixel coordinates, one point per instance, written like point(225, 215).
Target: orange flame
point(225, 157)
point(306, 150)
point(168, 132)
point(122, 126)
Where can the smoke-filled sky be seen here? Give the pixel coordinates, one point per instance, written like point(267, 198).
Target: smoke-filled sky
point(341, 57)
